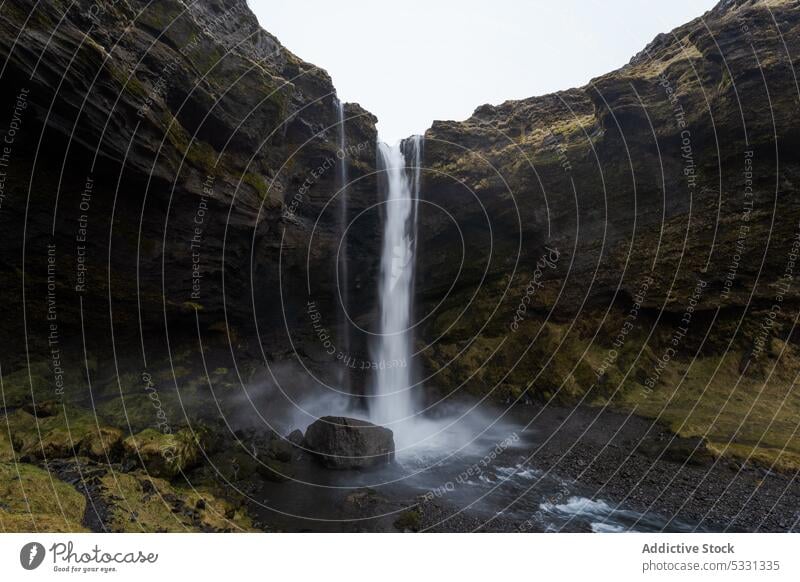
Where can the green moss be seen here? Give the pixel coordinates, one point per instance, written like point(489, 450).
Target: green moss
point(195, 152)
point(18, 386)
point(37, 382)
point(780, 459)
point(139, 502)
point(138, 411)
point(39, 522)
point(756, 413)
point(163, 455)
point(6, 450)
point(192, 306)
point(33, 500)
point(65, 434)
point(202, 155)
point(410, 520)
point(206, 57)
point(102, 443)
point(172, 373)
point(258, 183)
point(713, 401)
point(131, 84)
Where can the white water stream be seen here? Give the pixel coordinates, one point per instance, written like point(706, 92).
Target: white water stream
point(393, 402)
point(343, 274)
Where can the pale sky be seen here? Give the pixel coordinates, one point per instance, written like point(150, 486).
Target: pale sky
point(414, 61)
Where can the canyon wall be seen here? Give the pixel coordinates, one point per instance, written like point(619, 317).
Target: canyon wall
point(171, 183)
point(632, 242)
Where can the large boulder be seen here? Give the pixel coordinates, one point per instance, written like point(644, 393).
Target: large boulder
point(348, 443)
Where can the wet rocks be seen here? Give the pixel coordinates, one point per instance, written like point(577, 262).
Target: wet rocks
point(348, 443)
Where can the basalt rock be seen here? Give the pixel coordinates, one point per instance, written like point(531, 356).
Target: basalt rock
point(348, 443)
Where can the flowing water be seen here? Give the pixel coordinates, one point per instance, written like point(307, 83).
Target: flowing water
point(342, 269)
point(393, 403)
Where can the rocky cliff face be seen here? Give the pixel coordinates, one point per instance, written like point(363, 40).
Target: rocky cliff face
point(168, 181)
point(167, 158)
point(632, 241)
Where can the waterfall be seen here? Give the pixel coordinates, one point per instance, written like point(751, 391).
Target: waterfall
point(342, 271)
point(393, 399)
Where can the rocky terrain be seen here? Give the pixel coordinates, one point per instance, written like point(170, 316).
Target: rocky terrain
point(168, 212)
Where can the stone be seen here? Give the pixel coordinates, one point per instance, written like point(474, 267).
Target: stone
point(42, 409)
point(348, 443)
point(281, 450)
point(102, 444)
point(296, 437)
point(163, 455)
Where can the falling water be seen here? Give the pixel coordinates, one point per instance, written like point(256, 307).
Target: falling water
point(393, 400)
point(344, 287)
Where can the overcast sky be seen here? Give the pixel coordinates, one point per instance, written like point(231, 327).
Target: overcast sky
point(415, 61)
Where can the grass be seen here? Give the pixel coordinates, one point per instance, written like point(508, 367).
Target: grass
point(154, 505)
point(742, 417)
point(30, 500)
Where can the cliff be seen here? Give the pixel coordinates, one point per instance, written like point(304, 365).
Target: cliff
point(631, 242)
point(168, 157)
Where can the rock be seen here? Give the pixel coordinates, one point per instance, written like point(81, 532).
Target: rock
point(348, 443)
point(296, 437)
point(579, 136)
point(285, 101)
point(281, 450)
point(163, 455)
point(103, 444)
point(364, 498)
point(232, 465)
point(60, 435)
point(42, 409)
